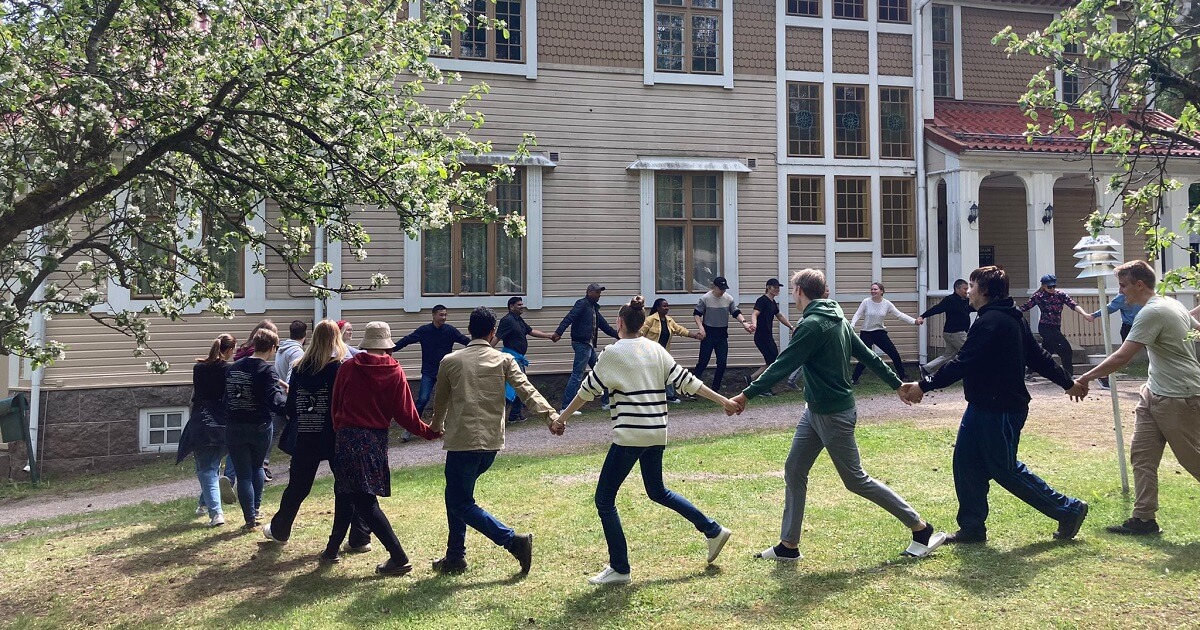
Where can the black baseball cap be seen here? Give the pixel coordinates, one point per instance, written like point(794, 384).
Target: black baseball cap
point(773, 282)
point(721, 283)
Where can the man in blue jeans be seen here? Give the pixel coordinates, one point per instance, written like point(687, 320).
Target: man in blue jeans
point(991, 365)
point(469, 407)
point(586, 322)
point(437, 340)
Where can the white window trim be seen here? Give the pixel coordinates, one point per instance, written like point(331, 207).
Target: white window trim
point(729, 254)
point(413, 301)
point(527, 69)
point(653, 76)
point(144, 445)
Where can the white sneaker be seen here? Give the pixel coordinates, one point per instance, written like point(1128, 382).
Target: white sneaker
point(266, 530)
point(716, 543)
point(917, 550)
point(609, 576)
point(606, 406)
point(228, 492)
point(201, 510)
point(577, 413)
point(346, 548)
point(769, 554)
point(217, 520)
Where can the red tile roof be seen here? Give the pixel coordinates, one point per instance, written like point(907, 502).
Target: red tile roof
point(973, 126)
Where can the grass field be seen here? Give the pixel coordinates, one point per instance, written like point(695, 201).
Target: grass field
point(153, 565)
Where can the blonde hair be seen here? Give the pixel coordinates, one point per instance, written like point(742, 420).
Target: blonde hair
point(325, 347)
point(811, 282)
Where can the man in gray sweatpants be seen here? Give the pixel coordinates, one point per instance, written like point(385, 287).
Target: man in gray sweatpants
point(823, 345)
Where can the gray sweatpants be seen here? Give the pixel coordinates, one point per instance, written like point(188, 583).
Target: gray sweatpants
point(954, 343)
point(835, 433)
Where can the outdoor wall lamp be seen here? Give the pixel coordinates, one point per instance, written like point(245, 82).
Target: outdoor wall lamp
point(1048, 214)
point(973, 213)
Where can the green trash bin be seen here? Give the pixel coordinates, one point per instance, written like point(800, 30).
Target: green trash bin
point(14, 427)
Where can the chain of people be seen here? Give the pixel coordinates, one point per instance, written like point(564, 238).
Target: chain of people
point(334, 402)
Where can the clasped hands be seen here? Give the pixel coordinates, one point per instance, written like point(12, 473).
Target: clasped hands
point(556, 424)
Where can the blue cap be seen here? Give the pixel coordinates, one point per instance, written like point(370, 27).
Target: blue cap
point(1049, 280)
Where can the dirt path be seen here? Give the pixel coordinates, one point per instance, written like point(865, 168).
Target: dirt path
point(1086, 425)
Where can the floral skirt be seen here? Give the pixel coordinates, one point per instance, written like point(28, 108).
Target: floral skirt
point(360, 462)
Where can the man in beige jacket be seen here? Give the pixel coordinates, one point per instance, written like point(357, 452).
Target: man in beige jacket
point(469, 407)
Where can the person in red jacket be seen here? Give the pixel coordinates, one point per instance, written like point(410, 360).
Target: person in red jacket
point(370, 390)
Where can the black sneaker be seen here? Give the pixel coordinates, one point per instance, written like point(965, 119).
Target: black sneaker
point(1136, 527)
point(961, 538)
point(1068, 527)
point(394, 567)
point(449, 567)
point(517, 419)
point(325, 557)
point(521, 548)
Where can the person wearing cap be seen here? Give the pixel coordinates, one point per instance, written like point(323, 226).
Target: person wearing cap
point(437, 340)
point(369, 392)
point(515, 333)
point(1050, 301)
point(712, 315)
point(586, 322)
point(766, 310)
point(957, 309)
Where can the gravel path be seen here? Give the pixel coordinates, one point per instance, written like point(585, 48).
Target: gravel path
point(1086, 425)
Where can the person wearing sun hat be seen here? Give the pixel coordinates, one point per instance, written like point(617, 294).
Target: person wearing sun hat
point(370, 391)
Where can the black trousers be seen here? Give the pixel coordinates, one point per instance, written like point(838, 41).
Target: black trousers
point(1055, 343)
point(302, 473)
point(880, 339)
point(347, 506)
point(715, 338)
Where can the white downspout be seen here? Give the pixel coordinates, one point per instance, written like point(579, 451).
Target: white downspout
point(922, 193)
point(37, 330)
point(318, 258)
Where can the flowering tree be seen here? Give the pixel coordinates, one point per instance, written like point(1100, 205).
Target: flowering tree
point(1132, 60)
point(139, 141)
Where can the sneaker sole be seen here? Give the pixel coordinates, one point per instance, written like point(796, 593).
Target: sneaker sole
point(397, 572)
point(721, 539)
point(776, 558)
point(917, 550)
point(611, 582)
point(228, 494)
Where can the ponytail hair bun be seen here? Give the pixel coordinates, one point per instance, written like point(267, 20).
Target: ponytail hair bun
point(633, 314)
point(638, 302)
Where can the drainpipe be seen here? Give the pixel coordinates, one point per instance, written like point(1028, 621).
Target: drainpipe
point(37, 330)
point(922, 193)
point(319, 257)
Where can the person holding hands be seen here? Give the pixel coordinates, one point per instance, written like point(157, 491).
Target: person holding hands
point(660, 327)
point(766, 311)
point(1050, 301)
point(873, 311)
point(712, 320)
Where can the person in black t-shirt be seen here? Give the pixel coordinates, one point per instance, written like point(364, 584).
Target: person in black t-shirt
point(513, 331)
point(766, 310)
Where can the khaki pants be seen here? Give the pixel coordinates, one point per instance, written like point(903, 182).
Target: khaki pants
point(1162, 420)
point(954, 343)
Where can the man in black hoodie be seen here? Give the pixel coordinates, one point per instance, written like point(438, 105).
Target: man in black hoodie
point(992, 366)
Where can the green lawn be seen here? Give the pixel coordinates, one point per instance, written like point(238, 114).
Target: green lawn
point(153, 565)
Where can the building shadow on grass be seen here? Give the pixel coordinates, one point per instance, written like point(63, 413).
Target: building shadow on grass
point(985, 571)
point(1183, 557)
point(609, 605)
point(800, 590)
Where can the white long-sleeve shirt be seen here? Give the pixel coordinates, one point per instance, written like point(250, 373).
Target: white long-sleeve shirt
point(875, 312)
point(636, 373)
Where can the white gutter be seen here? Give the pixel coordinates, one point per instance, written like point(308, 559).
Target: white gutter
point(922, 193)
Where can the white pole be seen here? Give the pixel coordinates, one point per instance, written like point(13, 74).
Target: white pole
point(1112, 386)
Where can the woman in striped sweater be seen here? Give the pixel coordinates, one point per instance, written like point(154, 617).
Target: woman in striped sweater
point(636, 372)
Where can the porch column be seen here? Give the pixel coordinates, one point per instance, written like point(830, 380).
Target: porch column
point(962, 248)
point(1175, 211)
point(1039, 193)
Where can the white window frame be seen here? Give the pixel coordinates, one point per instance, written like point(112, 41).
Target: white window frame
point(144, 428)
point(652, 76)
point(528, 69)
point(730, 168)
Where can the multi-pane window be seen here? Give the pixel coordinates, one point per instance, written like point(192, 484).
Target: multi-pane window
point(228, 252)
point(150, 201)
point(687, 36)
point(806, 199)
point(1085, 75)
point(811, 8)
point(852, 206)
point(895, 123)
point(943, 51)
point(476, 258)
point(850, 121)
point(897, 219)
point(162, 428)
point(893, 11)
point(804, 119)
point(479, 42)
point(850, 9)
point(687, 231)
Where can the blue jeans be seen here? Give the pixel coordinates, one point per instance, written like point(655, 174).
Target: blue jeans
point(208, 465)
point(617, 465)
point(463, 468)
point(585, 357)
point(248, 446)
point(230, 471)
point(716, 339)
point(423, 396)
point(986, 450)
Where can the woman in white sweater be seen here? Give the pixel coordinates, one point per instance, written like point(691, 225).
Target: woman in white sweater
point(872, 311)
point(636, 372)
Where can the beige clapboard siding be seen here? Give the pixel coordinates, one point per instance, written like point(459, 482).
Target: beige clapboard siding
point(1003, 225)
point(100, 357)
point(853, 272)
point(1071, 208)
point(600, 123)
point(804, 251)
point(385, 254)
point(900, 280)
point(1005, 79)
point(281, 282)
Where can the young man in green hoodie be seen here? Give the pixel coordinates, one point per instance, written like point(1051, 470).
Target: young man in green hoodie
point(823, 344)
